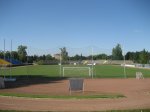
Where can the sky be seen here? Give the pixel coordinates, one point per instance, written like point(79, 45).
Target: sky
point(51, 24)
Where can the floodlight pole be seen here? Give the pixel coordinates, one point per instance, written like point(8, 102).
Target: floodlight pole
point(60, 63)
point(10, 57)
point(27, 63)
point(4, 59)
point(92, 62)
point(4, 49)
point(124, 64)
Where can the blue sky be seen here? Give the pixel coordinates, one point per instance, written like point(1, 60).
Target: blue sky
point(47, 24)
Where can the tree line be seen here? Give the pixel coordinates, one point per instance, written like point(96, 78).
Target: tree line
point(142, 57)
point(20, 54)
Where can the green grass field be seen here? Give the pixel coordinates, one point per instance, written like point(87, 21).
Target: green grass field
point(99, 71)
point(75, 96)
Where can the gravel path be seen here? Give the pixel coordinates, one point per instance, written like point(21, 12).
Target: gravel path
point(137, 94)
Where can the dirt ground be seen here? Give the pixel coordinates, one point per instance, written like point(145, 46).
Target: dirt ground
point(137, 94)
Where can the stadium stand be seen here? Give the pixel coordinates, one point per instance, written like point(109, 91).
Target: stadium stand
point(3, 62)
point(14, 62)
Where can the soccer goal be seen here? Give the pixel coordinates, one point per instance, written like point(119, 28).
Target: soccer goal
point(77, 72)
point(139, 75)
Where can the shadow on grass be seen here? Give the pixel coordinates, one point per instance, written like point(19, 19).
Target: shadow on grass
point(24, 80)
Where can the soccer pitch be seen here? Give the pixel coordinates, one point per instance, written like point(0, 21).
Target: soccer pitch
point(99, 71)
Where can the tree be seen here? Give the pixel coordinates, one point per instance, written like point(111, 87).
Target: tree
point(77, 57)
point(64, 54)
point(130, 56)
point(100, 56)
point(1, 54)
point(117, 53)
point(14, 55)
point(35, 58)
point(7, 55)
point(144, 58)
point(49, 57)
point(22, 53)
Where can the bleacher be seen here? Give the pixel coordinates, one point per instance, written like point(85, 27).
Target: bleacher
point(14, 61)
point(115, 62)
point(4, 62)
point(10, 62)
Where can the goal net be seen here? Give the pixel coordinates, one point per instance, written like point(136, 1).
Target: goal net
point(76, 72)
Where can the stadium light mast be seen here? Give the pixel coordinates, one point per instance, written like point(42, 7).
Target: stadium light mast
point(27, 63)
point(10, 57)
point(4, 49)
point(92, 62)
point(60, 63)
point(124, 64)
point(4, 59)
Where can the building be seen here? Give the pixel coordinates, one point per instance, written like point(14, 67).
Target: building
point(57, 56)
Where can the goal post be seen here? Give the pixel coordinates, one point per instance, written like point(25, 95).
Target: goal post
point(77, 71)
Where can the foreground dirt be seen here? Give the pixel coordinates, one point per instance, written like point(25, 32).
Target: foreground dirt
point(137, 94)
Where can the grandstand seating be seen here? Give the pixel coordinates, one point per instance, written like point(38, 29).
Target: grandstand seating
point(117, 62)
point(14, 61)
point(3, 62)
point(10, 62)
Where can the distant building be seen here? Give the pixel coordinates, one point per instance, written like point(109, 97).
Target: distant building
point(57, 56)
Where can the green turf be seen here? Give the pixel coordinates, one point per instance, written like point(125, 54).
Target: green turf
point(78, 96)
point(99, 71)
point(134, 110)
point(115, 71)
